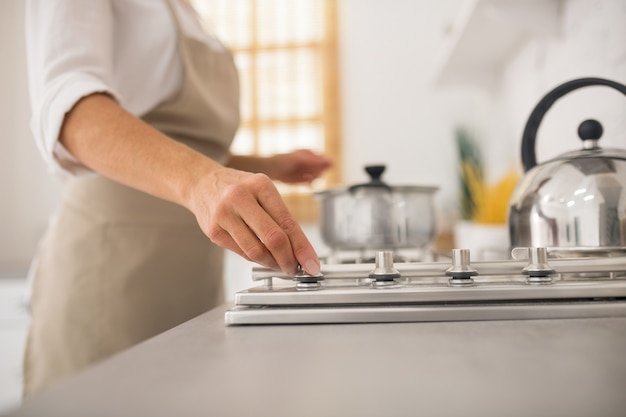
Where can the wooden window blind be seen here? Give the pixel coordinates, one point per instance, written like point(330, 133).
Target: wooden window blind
point(287, 56)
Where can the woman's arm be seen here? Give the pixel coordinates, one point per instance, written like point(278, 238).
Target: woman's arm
point(237, 210)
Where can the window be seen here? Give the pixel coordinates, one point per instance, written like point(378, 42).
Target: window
point(286, 53)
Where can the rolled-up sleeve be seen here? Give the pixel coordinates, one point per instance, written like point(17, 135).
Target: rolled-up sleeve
point(69, 56)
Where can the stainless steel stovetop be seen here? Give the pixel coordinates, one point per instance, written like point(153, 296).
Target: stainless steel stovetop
point(531, 285)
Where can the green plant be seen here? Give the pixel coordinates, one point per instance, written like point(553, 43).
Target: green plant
point(471, 175)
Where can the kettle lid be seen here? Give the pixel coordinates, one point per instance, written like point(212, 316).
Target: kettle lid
point(589, 131)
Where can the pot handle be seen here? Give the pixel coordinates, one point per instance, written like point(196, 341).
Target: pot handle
point(375, 172)
point(534, 120)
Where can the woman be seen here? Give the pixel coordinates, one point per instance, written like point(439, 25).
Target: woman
point(137, 107)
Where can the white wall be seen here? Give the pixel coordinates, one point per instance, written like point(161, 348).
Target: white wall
point(27, 193)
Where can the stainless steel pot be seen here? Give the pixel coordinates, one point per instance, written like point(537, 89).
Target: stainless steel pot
point(375, 215)
point(577, 201)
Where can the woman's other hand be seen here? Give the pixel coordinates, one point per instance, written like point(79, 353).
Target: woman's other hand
point(300, 166)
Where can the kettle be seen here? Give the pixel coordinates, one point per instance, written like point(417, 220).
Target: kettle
point(576, 202)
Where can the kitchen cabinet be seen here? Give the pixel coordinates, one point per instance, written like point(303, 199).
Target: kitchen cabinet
point(485, 36)
point(520, 368)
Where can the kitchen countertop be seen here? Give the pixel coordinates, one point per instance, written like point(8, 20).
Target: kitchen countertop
point(574, 367)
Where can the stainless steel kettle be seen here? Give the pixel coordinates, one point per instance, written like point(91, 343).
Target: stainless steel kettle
point(575, 202)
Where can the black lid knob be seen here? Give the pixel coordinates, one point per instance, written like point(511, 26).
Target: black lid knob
point(375, 172)
point(590, 129)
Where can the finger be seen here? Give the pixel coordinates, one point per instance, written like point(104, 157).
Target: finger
point(237, 236)
point(227, 242)
point(298, 243)
point(272, 236)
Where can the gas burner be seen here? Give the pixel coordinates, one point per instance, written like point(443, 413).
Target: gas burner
point(339, 256)
point(531, 285)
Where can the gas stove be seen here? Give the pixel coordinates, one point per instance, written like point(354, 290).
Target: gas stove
point(535, 283)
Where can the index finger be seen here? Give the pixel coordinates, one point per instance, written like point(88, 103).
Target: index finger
point(299, 245)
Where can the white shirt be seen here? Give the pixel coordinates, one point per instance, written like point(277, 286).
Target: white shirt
point(126, 48)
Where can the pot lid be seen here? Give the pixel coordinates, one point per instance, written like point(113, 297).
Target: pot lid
point(376, 185)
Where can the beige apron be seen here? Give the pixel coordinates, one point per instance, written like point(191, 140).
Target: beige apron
point(118, 266)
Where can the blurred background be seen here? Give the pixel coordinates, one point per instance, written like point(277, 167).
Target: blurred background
point(366, 82)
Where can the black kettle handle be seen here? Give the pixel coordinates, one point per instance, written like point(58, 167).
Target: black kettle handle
point(534, 120)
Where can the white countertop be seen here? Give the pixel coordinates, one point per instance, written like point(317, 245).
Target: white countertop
point(574, 367)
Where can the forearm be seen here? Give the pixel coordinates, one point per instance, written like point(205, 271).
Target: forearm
point(109, 140)
point(239, 211)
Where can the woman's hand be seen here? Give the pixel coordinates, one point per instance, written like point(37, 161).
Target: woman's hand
point(245, 213)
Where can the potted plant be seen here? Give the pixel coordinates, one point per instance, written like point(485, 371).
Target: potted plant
point(483, 207)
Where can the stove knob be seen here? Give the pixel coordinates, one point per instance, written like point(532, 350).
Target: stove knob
point(538, 269)
point(461, 271)
point(384, 273)
point(305, 281)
